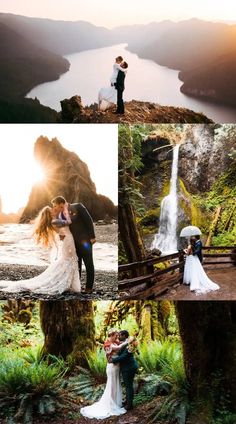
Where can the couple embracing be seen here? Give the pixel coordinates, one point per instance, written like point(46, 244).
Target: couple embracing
point(107, 96)
point(69, 231)
point(119, 348)
point(194, 273)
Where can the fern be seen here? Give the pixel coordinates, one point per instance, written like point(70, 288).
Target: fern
point(97, 363)
point(28, 388)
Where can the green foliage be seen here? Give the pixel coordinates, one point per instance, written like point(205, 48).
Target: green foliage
point(15, 335)
point(29, 388)
point(97, 364)
point(150, 386)
point(165, 360)
point(153, 355)
point(225, 417)
point(130, 162)
point(84, 384)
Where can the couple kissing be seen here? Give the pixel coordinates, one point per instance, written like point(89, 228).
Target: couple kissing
point(108, 96)
point(119, 348)
point(69, 231)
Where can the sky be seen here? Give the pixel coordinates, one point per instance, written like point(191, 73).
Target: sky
point(110, 13)
point(95, 144)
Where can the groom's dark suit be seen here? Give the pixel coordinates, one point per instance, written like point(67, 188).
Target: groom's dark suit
point(82, 230)
point(120, 86)
point(198, 250)
point(128, 367)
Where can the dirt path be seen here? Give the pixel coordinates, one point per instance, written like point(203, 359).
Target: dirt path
point(224, 277)
point(137, 415)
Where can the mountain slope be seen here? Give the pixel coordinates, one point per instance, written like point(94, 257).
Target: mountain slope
point(204, 52)
point(215, 81)
point(24, 65)
point(60, 37)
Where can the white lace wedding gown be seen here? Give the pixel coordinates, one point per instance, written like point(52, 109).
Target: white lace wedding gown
point(111, 400)
point(61, 275)
point(195, 275)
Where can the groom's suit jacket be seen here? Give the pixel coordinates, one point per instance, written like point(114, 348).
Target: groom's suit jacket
point(120, 82)
point(198, 250)
point(126, 360)
point(81, 227)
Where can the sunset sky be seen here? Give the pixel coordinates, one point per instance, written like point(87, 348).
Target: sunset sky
point(111, 13)
point(95, 144)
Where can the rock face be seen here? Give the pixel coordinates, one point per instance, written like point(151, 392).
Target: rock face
point(72, 110)
point(66, 175)
point(205, 155)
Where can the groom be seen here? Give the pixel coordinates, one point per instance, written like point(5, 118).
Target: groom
point(198, 248)
point(128, 367)
point(120, 86)
point(82, 229)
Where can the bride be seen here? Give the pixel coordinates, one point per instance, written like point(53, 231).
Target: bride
point(194, 273)
point(107, 96)
point(111, 400)
point(62, 274)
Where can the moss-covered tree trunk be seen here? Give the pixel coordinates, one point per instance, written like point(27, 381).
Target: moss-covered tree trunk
point(152, 318)
point(129, 234)
point(68, 328)
point(129, 161)
point(208, 333)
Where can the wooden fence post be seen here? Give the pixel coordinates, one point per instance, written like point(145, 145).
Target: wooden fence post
point(181, 260)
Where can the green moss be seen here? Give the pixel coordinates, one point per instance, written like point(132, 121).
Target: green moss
point(192, 207)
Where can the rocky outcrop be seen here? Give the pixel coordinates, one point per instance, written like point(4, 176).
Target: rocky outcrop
point(73, 111)
point(205, 155)
point(66, 175)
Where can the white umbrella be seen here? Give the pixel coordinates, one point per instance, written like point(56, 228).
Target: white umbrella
point(189, 231)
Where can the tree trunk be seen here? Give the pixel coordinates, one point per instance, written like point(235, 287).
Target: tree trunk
point(69, 330)
point(128, 228)
point(130, 235)
point(208, 333)
point(152, 319)
point(213, 226)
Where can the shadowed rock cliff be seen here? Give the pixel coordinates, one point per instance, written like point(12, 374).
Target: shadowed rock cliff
point(66, 175)
point(72, 110)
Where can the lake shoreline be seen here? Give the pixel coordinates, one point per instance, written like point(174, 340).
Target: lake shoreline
point(162, 84)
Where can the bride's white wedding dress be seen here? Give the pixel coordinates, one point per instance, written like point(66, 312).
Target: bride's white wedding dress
point(61, 275)
point(111, 400)
point(195, 275)
point(107, 97)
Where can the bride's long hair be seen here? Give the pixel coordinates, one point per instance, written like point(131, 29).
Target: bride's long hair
point(44, 232)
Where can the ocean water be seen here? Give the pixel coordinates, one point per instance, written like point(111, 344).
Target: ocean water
point(17, 247)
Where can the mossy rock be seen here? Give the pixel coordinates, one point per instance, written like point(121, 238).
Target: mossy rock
point(150, 218)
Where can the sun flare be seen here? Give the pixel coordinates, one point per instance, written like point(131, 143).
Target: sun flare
point(25, 176)
point(37, 174)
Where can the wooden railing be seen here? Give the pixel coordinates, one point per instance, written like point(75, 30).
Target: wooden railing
point(228, 252)
point(148, 275)
point(145, 277)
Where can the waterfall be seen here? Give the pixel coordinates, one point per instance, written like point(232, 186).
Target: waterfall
point(166, 240)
